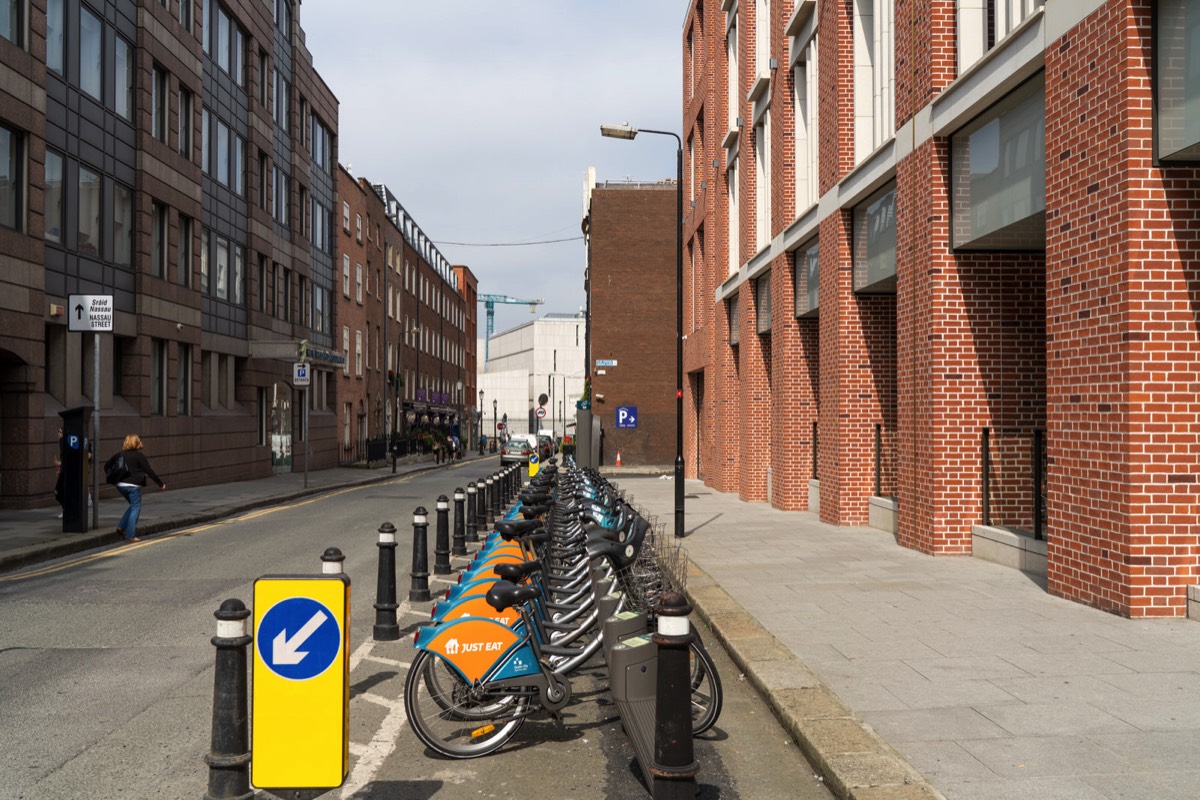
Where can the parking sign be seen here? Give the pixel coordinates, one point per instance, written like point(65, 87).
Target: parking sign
point(626, 416)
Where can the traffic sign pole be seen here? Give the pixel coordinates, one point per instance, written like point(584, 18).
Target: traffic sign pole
point(94, 452)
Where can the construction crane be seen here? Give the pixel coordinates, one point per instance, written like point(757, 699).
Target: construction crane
point(489, 303)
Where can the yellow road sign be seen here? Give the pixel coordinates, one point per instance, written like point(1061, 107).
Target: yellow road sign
point(535, 464)
point(300, 734)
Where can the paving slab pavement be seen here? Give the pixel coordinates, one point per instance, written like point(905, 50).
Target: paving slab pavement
point(908, 676)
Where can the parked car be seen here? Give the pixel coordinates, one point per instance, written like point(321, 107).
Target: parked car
point(545, 447)
point(517, 449)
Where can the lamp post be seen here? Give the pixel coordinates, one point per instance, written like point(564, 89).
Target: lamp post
point(627, 131)
point(493, 423)
point(479, 432)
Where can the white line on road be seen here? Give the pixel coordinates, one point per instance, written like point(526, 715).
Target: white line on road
point(391, 662)
point(374, 754)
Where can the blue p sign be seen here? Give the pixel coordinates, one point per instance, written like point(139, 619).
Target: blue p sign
point(626, 416)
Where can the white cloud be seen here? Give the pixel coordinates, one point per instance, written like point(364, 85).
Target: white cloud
point(484, 117)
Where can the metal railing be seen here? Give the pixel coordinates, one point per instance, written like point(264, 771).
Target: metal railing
point(1014, 469)
point(365, 451)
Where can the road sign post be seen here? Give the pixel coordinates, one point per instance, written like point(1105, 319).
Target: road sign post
point(300, 736)
point(92, 313)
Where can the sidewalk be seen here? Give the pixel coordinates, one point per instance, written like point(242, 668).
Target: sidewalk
point(34, 535)
point(908, 676)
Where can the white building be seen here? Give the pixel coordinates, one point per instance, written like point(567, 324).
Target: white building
point(542, 357)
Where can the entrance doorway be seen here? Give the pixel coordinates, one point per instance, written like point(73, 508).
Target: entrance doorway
point(281, 427)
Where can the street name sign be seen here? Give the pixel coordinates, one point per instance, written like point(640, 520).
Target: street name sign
point(606, 362)
point(88, 313)
point(301, 725)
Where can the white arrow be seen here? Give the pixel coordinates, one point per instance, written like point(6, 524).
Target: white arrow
point(283, 649)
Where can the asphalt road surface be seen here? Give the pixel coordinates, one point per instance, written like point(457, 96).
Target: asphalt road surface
point(108, 673)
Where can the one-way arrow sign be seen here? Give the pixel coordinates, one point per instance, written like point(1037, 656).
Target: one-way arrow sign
point(287, 651)
point(298, 638)
point(90, 313)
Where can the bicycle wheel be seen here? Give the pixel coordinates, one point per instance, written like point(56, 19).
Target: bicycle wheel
point(706, 688)
point(455, 719)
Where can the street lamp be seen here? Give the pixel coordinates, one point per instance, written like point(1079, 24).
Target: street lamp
point(479, 433)
point(627, 131)
point(493, 423)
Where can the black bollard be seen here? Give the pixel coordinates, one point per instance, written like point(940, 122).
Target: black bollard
point(497, 504)
point(482, 504)
point(419, 591)
point(472, 518)
point(331, 561)
point(493, 492)
point(460, 533)
point(441, 539)
point(387, 629)
point(674, 768)
point(229, 758)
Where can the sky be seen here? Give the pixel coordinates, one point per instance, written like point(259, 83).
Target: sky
point(483, 118)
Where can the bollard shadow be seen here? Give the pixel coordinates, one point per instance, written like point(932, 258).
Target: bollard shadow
point(709, 521)
point(412, 627)
point(370, 683)
point(713, 734)
point(405, 790)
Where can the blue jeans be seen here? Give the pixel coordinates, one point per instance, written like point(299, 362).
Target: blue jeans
point(129, 519)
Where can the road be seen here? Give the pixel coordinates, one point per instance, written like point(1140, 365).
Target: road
point(109, 673)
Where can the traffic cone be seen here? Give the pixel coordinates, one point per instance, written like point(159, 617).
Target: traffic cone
point(618, 458)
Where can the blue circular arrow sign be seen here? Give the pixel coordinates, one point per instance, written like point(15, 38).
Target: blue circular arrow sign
point(298, 638)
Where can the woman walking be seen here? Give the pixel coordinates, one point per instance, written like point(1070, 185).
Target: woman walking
point(130, 486)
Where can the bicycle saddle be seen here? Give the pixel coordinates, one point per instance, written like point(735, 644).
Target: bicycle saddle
point(510, 529)
point(515, 572)
point(534, 498)
point(505, 594)
point(531, 512)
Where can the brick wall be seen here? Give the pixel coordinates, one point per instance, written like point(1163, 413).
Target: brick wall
point(632, 283)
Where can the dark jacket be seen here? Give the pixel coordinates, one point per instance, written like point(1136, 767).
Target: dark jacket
point(139, 468)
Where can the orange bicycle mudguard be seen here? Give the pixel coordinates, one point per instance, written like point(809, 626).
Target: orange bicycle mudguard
point(472, 644)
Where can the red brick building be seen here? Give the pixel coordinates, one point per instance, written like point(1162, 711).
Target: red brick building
point(943, 278)
point(631, 241)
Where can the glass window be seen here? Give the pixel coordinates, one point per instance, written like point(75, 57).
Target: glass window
point(237, 58)
point(998, 174)
point(10, 178)
point(262, 76)
point(124, 70)
point(875, 243)
point(762, 303)
point(222, 153)
point(346, 275)
point(158, 376)
point(238, 178)
point(55, 28)
point(283, 15)
point(183, 263)
point(185, 14)
point(735, 320)
point(221, 41)
point(204, 260)
point(808, 280)
point(204, 151)
point(262, 179)
point(1177, 80)
point(158, 240)
point(239, 267)
point(185, 123)
point(158, 104)
point(11, 24)
point(183, 381)
point(91, 54)
point(222, 274)
point(122, 225)
point(53, 196)
point(89, 211)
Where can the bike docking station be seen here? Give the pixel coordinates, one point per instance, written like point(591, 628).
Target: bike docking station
point(300, 738)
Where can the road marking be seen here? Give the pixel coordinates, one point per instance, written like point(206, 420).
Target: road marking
point(374, 754)
point(391, 662)
point(380, 700)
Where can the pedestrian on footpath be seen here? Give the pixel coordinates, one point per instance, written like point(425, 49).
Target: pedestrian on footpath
point(130, 486)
